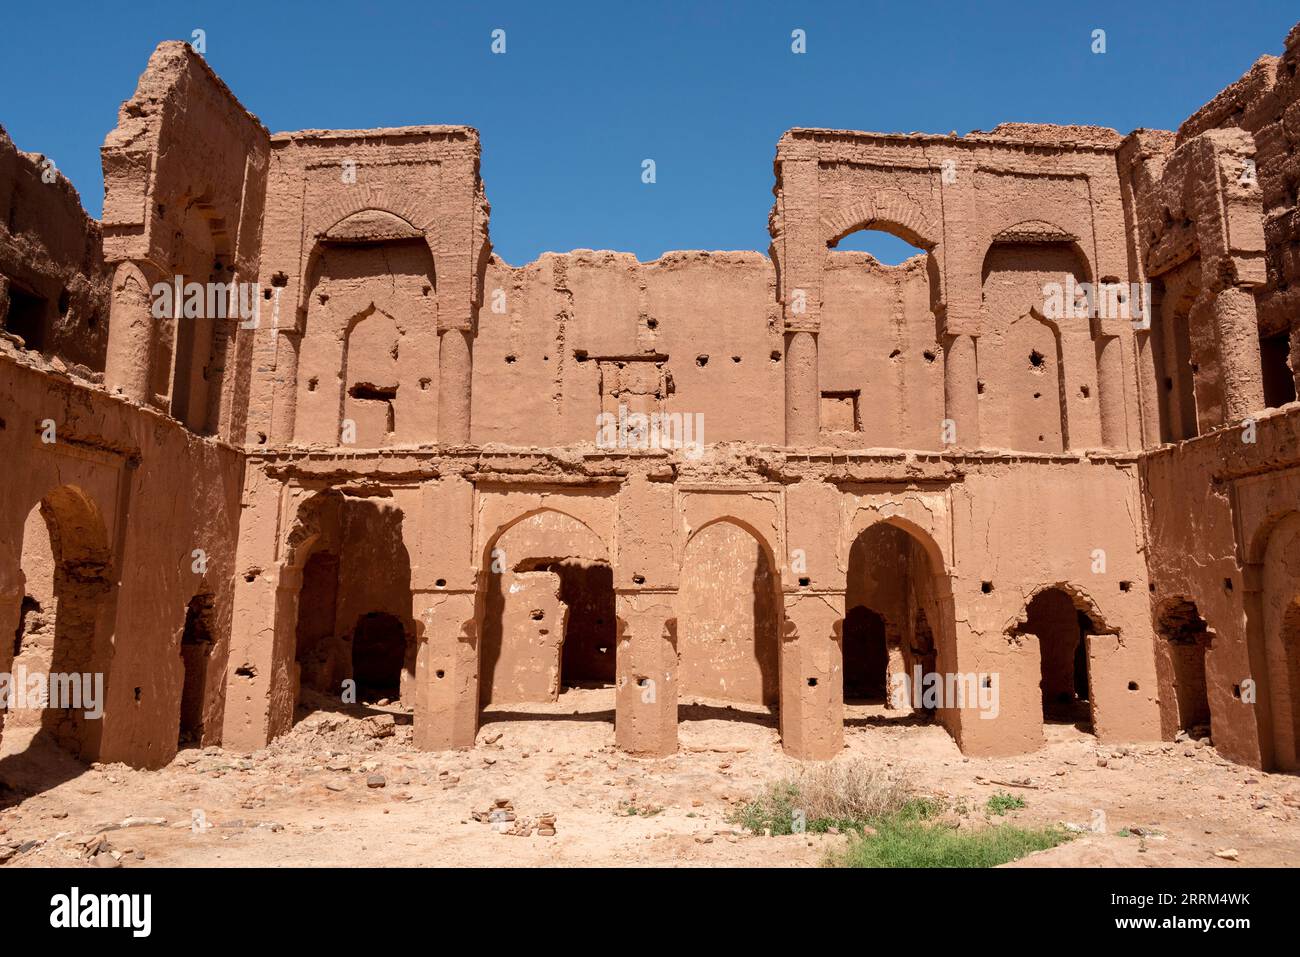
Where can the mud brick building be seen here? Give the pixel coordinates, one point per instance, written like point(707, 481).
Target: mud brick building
point(389, 472)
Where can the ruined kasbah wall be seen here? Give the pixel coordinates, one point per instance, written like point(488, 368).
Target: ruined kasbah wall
point(1266, 104)
point(119, 524)
point(1215, 214)
point(416, 405)
point(525, 542)
point(120, 527)
point(1224, 534)
point(53, 293)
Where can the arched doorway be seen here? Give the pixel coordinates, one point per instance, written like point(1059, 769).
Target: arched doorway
point(1061, 627)
point(888, 647)
point(549, 627)
point(338, 614)
point(729, 620)
point(1281, 619)
point(66, 569)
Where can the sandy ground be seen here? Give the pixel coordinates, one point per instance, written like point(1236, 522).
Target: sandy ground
point(308, 799)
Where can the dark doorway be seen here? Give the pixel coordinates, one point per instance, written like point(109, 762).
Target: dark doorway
point(1279, 383)
point(587, 589)
point(1062, 631)
point(26, 317)
point(1188, 638)
point(196, 651)
point(866, 655)
point(378, 656)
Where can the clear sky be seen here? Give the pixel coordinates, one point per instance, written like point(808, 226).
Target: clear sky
point(586, 91)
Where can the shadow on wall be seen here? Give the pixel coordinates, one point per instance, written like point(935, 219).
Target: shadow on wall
point(196, 654)
point(548, 624)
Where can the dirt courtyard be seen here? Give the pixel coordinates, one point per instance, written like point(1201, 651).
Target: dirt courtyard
point(347, 789)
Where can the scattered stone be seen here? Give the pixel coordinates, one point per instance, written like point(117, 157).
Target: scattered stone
point(376, 781)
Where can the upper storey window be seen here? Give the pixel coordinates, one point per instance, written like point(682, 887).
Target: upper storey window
point(886, 248)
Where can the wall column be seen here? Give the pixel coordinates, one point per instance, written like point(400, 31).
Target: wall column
point(1110, 385)
point(1238, 333)
point(455, 373)
point(802, 399)
point(261, 690)
point(645, 720)
point(131, 333)
point(812, 675)
point(961, 389)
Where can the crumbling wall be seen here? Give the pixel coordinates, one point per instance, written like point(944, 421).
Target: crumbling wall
point(1265, 103)
point(571, 336)
point(373, 227)
point(1228, 550)
point(107, 472)
point(184, 185)
point(53, 293)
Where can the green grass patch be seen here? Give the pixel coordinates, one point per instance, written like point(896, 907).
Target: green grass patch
point(900, 842)
point(888, 824)
point(1002, 802)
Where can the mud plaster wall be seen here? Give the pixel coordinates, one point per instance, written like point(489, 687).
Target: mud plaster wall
point(1231, 552)
point(1076, 526)
point(125, 464)
point(548, 364)
point(51, 262)
point(383, 306)
point(1265, 102)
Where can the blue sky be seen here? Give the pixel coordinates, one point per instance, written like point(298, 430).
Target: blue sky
point(586, 91)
